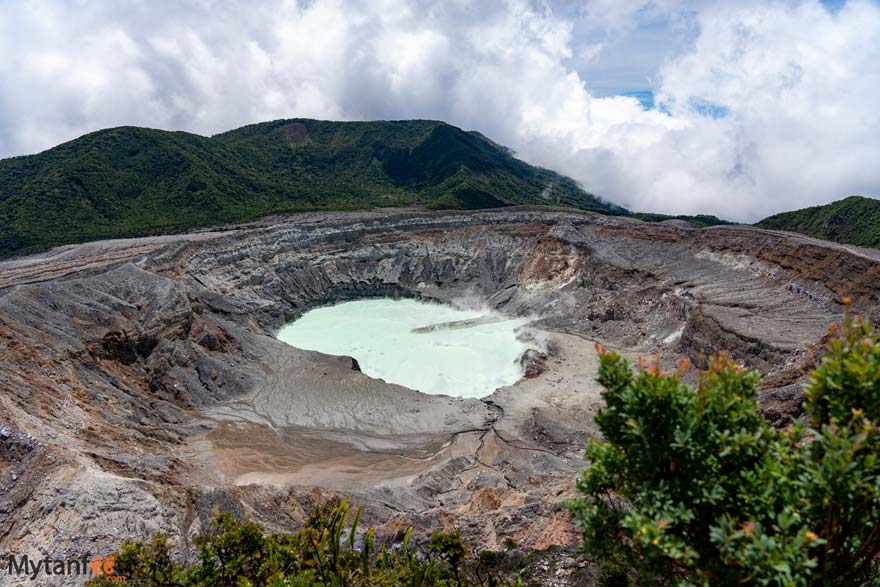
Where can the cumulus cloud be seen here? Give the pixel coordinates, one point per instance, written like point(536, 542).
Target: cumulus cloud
point(770, 107)
point(775, 110)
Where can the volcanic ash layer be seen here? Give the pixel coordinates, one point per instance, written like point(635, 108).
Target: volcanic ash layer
point(143, 388)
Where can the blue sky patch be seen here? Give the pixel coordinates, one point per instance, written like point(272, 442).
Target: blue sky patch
point(645, 97)
point(833, 5)
point(706, 108)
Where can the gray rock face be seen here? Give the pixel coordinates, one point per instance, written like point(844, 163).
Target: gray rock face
point(143, 388)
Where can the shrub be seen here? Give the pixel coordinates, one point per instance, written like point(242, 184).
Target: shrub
point(323, 553)
point(692, 487)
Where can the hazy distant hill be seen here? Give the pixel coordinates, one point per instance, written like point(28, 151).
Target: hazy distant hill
point(854, 220)
point(698, 220)
point(131, 181)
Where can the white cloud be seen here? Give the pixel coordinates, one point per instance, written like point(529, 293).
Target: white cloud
point(798, 84)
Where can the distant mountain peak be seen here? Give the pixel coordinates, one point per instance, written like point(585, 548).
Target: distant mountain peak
point(131, 181)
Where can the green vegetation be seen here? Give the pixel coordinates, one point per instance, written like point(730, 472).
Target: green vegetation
point(692, 487)
point(323, 553)
point(128, 181)
point(854, 220)
point(699, 220)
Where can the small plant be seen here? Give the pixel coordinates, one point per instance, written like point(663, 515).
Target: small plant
point(692, 487)
point(450, 547)
point(612, 574)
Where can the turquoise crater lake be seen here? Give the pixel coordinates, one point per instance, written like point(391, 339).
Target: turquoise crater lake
point(430, 347)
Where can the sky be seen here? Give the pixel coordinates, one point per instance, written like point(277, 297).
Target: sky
point(739, 108)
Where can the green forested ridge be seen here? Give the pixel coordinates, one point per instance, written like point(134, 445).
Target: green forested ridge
point(698, 220)
point(854, 220)
point(131, 181)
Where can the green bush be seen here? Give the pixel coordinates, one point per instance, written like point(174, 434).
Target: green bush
point(323, 553)
point(692, 487)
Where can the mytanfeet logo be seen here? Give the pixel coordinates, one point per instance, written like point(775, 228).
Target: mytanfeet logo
point(33, 569)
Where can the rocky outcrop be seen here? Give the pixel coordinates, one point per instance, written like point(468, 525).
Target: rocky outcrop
point(144, 390)
point(533, 363)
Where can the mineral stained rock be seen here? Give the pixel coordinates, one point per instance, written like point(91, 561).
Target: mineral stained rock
point(143, 388)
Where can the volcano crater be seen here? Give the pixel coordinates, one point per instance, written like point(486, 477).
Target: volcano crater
point(145, 388)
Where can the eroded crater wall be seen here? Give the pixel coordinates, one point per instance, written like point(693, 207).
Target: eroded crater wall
point(143, 388)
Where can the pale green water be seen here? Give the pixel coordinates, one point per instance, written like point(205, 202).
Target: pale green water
point(464, 362)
